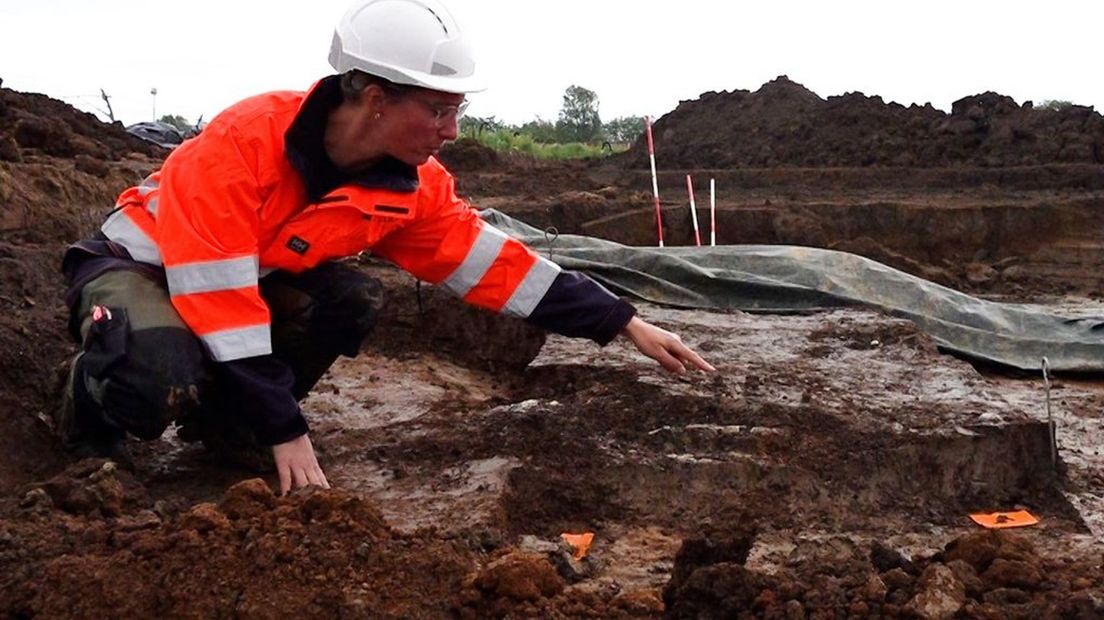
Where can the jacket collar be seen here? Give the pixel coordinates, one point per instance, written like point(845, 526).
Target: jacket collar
point(303, 143)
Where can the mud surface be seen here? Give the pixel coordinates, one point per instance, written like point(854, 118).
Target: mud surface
point(827, 470)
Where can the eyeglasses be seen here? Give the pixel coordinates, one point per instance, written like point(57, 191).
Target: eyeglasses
point(444, 114)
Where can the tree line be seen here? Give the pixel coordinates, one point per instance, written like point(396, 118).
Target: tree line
point(578, 122)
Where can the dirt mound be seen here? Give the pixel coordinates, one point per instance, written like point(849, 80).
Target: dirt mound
point(32, 124)
point(89, 543)
point(469, 154)
point(61, 169)
point(785, 124)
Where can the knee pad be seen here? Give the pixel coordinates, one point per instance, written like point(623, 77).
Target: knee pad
point(142, 380)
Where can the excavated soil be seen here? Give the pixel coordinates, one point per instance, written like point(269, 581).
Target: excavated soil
point(826, 470)
point(785, 124)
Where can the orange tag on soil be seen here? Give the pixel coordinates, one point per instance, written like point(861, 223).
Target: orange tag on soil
point(581, 542)
point(1001, 520)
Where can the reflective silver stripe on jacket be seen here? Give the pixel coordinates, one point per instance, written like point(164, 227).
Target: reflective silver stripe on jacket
point(151, 206)
point(119, 228)
point(532, 288)
point(479, 259)
point(232, 344)
point(148, 185)
point(215, 275)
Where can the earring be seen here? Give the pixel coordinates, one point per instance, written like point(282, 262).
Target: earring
point(376, 117)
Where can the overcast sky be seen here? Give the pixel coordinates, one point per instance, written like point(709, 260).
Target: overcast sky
point(639, 57)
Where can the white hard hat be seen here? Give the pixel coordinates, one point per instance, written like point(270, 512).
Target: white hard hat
point(414, 42)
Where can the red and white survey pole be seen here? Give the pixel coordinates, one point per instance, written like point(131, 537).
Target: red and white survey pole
point(655, 182)
point(693, 211)
point(712, 212)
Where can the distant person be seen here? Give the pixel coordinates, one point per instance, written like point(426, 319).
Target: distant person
point(210, 296)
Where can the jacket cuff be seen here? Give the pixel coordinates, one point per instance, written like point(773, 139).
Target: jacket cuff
point(294, 427)
point(615, 321)
point(265, 384)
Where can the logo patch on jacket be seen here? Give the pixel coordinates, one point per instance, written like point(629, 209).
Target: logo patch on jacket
point(298, 245)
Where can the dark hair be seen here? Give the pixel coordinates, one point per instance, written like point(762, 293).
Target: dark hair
point(354, 81)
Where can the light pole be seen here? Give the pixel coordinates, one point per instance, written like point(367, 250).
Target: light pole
point(153, 94)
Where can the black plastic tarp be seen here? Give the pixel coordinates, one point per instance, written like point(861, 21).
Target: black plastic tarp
point(778, 279)
point(161, 134)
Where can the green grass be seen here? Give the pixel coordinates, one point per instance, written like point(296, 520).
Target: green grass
point(508, 141)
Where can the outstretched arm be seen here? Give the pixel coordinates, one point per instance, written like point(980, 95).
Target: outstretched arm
point(664, 347)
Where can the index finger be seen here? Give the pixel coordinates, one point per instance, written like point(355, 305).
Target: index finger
point(317, 477)
point(668, 359)
point(687, 354)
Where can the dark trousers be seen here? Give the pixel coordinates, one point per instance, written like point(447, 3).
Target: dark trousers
point(144, 369)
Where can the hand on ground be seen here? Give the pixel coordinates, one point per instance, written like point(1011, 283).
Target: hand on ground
point(664, 347)
point(297, 464)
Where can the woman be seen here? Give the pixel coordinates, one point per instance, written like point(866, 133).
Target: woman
point(211, 294)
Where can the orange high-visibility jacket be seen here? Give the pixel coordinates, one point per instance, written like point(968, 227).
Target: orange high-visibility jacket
point(228, 207)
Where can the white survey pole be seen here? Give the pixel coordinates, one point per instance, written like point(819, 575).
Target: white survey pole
point(712, 212)
point(655, 182)
point(693, 211)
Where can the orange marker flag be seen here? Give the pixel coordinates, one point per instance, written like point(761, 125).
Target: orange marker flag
point(1001, 520)
point(581, 543)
